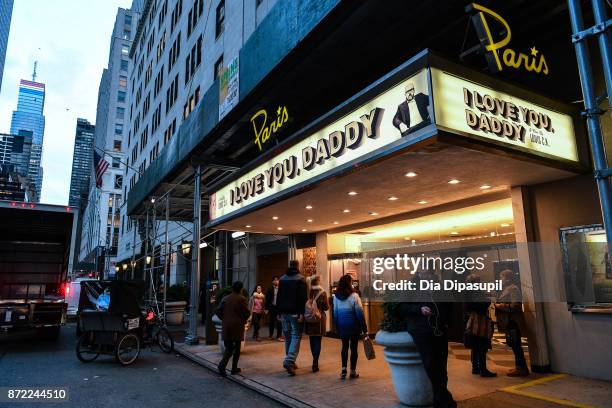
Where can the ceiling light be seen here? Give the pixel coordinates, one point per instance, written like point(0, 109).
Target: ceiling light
point(505, 225)
point(346, 210)
point(454, 233)
point(492, 233)
point(309, 220)
point(309, 207)
point(373, 213)
point(392, 198)
point(407, 238)
point(247, 226)
point(238, 234)
point(485, 187)
point(279, 228)
point(203, 245)
point(336, 223)
point(422, 202)
point(453, 181)
point(352, 193)
point(275, 218)
point(304, 230)
point(411, 174)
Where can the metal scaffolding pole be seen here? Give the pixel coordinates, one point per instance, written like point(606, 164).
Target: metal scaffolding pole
point(166, 255)
point(592, 111)
point(192, 333)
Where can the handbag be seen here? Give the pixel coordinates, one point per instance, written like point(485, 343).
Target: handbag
point(368, 348)
point(479, 326)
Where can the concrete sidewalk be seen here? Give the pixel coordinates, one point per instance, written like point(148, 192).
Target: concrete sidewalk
point(261, 364)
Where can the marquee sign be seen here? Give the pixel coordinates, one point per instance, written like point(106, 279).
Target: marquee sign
point(471, 109)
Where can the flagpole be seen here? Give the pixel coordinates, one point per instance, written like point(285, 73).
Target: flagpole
point(104, 152)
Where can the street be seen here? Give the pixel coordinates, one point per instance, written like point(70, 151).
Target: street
point(154, 380)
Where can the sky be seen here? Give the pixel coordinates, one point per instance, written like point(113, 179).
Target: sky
point(70, 39)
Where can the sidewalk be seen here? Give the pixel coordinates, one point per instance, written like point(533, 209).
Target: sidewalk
point(261, 364)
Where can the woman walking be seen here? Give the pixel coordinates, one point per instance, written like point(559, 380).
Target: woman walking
point(350, 322)
point(316, 325)
point(478, 329)
point(257, 310)
point(233, 312)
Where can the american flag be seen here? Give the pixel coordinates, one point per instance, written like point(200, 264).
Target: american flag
point(100, 166)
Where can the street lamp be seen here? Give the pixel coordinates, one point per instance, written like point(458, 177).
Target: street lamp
point(116, 269)
point(186, 248)
point(148, 259)
point(125, 266)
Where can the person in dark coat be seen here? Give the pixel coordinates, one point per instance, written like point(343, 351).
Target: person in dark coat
point(291, 299)
point(477, 303)
point(234, 313)
point(413, 113)
point(427, 321)
point(272, 310)
point(316, 330)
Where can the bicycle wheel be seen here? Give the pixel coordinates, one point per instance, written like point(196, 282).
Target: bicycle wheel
point(86, 351)
point(128, 349)
point(165, 340)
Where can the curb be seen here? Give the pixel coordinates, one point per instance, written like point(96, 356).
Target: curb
point(261, 389)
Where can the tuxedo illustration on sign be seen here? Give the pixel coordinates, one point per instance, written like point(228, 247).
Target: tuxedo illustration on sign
point(413, 113)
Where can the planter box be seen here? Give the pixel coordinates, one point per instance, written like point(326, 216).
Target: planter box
point(175, 313)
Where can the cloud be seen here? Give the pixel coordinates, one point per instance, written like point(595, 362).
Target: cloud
point(70, 41)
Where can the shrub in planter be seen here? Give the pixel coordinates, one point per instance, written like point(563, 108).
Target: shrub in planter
point(177, 293)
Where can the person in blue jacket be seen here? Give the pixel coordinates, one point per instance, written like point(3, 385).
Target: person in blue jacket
point(350, 322)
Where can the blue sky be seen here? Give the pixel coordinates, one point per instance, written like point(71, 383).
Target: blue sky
point(70, 40)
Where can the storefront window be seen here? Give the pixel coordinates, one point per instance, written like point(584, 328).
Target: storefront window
point(587, 266)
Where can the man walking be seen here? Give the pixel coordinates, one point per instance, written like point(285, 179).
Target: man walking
point(291, 299)
point(272, 310)
point(233, 312)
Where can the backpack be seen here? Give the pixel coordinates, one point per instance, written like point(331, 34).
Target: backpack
point(312, 314)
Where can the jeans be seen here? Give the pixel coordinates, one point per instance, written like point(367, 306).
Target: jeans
point(232, 349)
point(293, 336)
point(315, 348)
point(517, 347)
point(256, 324)
point(353, 342)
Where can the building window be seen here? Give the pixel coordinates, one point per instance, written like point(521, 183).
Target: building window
point(120, 113)
point(218, 68)
point(220, 26)
point(116, 162)
point(123, 81)
point(117, 145)
point(127, 20)
point(121, 96)
point(119, 128)
point(124, 65)
point(118, 181)
point(125, 49)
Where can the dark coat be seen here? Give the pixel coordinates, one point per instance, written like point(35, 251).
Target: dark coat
point(270, 298)
point(403, 112)
point(233, 312)
point(292, 293)
point(318, 329)
point(476, 302)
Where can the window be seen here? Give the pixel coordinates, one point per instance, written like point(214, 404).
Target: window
point(220, 26)
point(156, 118)
point(144, 138)
point(146, 104)
point(117, 145)
point(121, 96)
point(116, 162)
point(118, 181)
point(119, 128)
point(218, 68)
point(170, 131)
point(172, 93)
point(162, 14)
point(191, 103)
point(175, 50)
point(125, 49)
point(159, 82)
point(124, 65)
point(127, 20)
point(126, 34)
point(193, 60)
point(123, 81)
point(176, 14)
point(161, 46)
point(120, 113)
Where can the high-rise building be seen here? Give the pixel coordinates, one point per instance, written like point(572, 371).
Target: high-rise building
point(15, 185)
point(82, 159)
point(29, 118)
point(6, 11)
point(100, 230)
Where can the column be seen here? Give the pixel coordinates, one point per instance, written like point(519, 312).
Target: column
point(192, 333)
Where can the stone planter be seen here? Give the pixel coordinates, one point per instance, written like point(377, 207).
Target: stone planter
point(410, 381)
point(175, 313)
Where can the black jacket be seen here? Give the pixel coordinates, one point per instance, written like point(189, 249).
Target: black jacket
point(270, 298)
point(292, 293)
point(403, 112)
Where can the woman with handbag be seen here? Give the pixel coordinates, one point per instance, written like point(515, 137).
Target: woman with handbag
point(510, 320)
point(350, 322)
point(316, 319)
point(479, 328)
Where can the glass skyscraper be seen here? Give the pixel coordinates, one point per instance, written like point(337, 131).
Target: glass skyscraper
point(6, 11)
point(82, 163)
point(29, 118)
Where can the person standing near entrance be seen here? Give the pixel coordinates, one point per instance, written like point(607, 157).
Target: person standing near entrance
point(233, 312)
point(510, 320)
point(257, 310)
point(316, 321)
point(427, 323)
point(350, 322)
point(478, 328)
point(272, 310)
point(291, 300)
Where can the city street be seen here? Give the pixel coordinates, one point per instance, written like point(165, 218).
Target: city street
point(155, 380)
